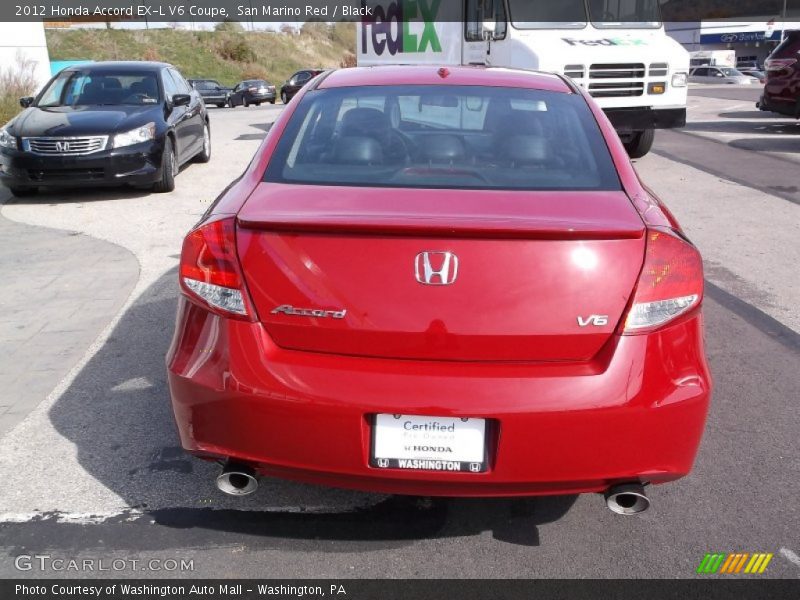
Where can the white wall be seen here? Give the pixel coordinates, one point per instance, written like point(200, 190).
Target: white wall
point(29, 39)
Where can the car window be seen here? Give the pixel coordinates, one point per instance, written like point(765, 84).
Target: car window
point(106, 87)
point(182, 84)
point(701, 72)
point(621, 13)
point(477, 12)
point(170, 86)
point(52, 96)
point(444, 136)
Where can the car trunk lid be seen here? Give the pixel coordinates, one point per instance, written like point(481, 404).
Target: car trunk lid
point(531, 276)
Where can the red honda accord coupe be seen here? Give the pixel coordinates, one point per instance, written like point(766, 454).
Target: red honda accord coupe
point(442, 281)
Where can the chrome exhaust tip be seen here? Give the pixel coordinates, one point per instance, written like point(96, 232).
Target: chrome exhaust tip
point(627, 499)
point(237, 479)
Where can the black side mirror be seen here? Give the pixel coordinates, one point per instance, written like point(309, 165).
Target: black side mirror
point(26, 101)
point(181, 100)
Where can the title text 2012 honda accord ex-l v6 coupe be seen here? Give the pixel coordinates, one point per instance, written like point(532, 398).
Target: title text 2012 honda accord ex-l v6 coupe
point(442, 282)
point(106, 123)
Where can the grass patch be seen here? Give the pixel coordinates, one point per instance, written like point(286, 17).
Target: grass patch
point(227, 56)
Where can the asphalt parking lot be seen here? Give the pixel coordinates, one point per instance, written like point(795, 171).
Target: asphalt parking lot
point(91, 465)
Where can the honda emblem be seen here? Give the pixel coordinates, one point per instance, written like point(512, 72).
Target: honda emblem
point(62, 146)
point(436, 268)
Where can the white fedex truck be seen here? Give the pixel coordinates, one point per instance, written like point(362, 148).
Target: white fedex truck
point(616, 49)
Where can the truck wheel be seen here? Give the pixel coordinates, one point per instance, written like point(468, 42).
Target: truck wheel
point(641, 143)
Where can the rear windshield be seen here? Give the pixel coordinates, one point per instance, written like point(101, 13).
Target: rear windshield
point(444, 137)
point(206, 85)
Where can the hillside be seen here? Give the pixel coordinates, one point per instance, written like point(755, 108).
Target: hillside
point(227, 56)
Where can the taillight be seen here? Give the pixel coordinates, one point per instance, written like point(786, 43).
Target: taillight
point(779, 64)
point(209, 270)
point(670, 285)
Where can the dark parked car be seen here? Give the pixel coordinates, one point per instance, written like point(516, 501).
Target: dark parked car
point(295, 83)
point(782, 90)
point(212, 91)
point(252, 91)
point(106, 123)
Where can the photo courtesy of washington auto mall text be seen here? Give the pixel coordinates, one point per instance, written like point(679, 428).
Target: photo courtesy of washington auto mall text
point(399, 299)
point(176, 590)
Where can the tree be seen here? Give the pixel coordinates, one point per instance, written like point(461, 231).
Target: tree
point(229, 26)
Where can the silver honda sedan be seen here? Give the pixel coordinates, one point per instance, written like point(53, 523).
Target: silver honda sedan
point(711, 74)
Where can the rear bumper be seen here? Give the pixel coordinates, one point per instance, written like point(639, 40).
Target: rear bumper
point(216, 99)
point(134, 165)
point(780, 103)
point(636, 412)
point(268, 97)
point(641, 118)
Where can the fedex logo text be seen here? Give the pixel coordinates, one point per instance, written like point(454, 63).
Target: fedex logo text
point(606, 42)
point(389, 27)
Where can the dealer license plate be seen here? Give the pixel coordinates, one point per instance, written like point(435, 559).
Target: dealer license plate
point(429, 443)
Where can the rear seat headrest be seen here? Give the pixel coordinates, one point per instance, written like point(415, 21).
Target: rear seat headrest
point(357, 150)
point(527, 149)
point(443, 147)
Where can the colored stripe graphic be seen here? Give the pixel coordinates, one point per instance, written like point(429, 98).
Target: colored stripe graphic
point(741, 562)
point(765, 563)
point(736, 563)
point(729, 563)
point(704, 564)
point(722, 563)
point(711, 563)
point(756, 559)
